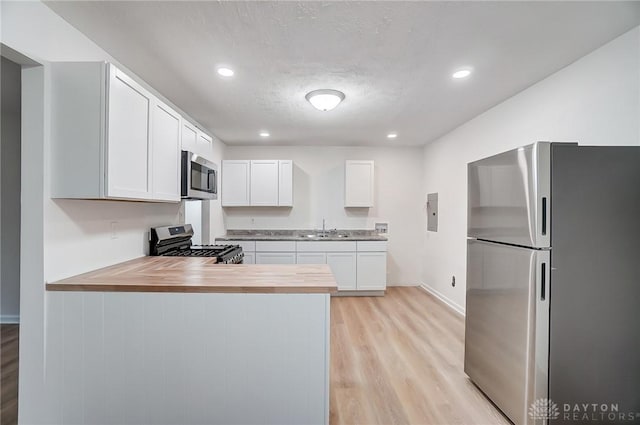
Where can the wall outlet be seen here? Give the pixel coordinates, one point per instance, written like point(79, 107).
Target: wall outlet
point(114, 230)
point(382, 227)
point(453, 281)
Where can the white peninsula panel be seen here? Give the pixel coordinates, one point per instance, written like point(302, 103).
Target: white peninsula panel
point(189, 358)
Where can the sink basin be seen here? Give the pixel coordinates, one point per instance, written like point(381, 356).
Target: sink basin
point(321, 236)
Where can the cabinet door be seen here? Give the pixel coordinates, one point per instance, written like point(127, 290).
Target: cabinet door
point(204, 140)
point(343, 266)
point(311, 258)
point(275, 257)
point(285, 183)
point(249, 258)
point(165, 153)
point(264, 183)
point(128, 141)
point(235, 183)
point(372, 271)
point(358, 184)
point(189, 137)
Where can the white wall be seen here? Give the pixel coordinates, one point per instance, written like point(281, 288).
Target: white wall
point(595, 101)
point(62, 237)
point(318, 179)
point(75, 228)
point(10, 207)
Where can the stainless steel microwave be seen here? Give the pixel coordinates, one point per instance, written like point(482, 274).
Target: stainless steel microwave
point(199, 177)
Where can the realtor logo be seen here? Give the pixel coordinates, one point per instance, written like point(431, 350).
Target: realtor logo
point(544, 408)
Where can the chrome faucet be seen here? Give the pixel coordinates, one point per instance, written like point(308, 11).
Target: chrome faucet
point(324, 233)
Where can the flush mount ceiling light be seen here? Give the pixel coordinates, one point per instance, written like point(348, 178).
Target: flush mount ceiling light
point(264, 134)
point(325, 99)
point(225, 72)
point(392, 135)
point(462, 73)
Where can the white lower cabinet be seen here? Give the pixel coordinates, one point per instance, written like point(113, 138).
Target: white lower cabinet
point(311, 258)
point(275, 257)
point(372, 271)
point(356, 266)
point(344, 268)
point(249, 258)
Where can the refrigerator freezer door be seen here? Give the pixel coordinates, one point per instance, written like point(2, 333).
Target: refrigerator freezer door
point(508, 198)
point(507, 325)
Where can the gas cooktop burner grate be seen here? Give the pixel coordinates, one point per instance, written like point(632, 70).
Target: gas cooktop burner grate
point(176, 241)
point(193, 253)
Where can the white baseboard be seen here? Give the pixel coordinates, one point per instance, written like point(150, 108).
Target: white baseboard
point(7, 319)
point(403, 284)
point(453, 305)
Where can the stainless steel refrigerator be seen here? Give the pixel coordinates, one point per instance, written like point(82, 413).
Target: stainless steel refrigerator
point(553, 283)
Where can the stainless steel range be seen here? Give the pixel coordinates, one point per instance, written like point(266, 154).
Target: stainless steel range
point(176, 241)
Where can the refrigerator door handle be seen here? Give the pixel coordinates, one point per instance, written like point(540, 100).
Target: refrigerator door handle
point(544, 216)
point(543, 281)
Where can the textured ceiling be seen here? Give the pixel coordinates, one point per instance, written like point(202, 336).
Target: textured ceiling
point(393, 60)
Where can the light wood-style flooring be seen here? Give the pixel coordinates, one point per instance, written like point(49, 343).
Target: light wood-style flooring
point(398, 359)
point(8, 374)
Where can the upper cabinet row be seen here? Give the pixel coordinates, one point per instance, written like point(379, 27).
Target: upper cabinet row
point(194, 140)
point(257, 183)
point(112, 138)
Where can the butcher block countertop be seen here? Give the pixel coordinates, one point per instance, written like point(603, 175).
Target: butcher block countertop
point(192, 274)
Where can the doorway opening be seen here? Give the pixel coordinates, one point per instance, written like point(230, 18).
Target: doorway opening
point(10, 226)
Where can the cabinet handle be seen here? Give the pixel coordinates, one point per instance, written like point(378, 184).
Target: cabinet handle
point(543, 282)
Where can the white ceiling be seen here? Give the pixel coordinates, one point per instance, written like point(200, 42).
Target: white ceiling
point(393, 60)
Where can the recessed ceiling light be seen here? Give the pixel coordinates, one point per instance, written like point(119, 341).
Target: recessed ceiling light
point(462, 73)
point(325, 99)
point(392, 135)
point(264, 134)
point(226, 72)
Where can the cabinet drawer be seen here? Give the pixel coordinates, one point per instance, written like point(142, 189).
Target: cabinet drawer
point(249, 258)
point(311, 258)
point(276, 246)
point(247, 246)
point(325, 246)
point(275, 258)
point(372, 246)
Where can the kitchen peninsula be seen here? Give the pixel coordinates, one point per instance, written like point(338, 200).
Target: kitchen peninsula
point(186, 340)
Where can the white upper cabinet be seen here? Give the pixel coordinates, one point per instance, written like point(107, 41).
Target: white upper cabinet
point(111, 137)
point(267, 183)
point(235, 182)
point(165, 163)
point(204, 140)
point(189, 137)
point(128, 138)
point(285, 183)
point(359, 187)
point(196, 141)
point(264, 183)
